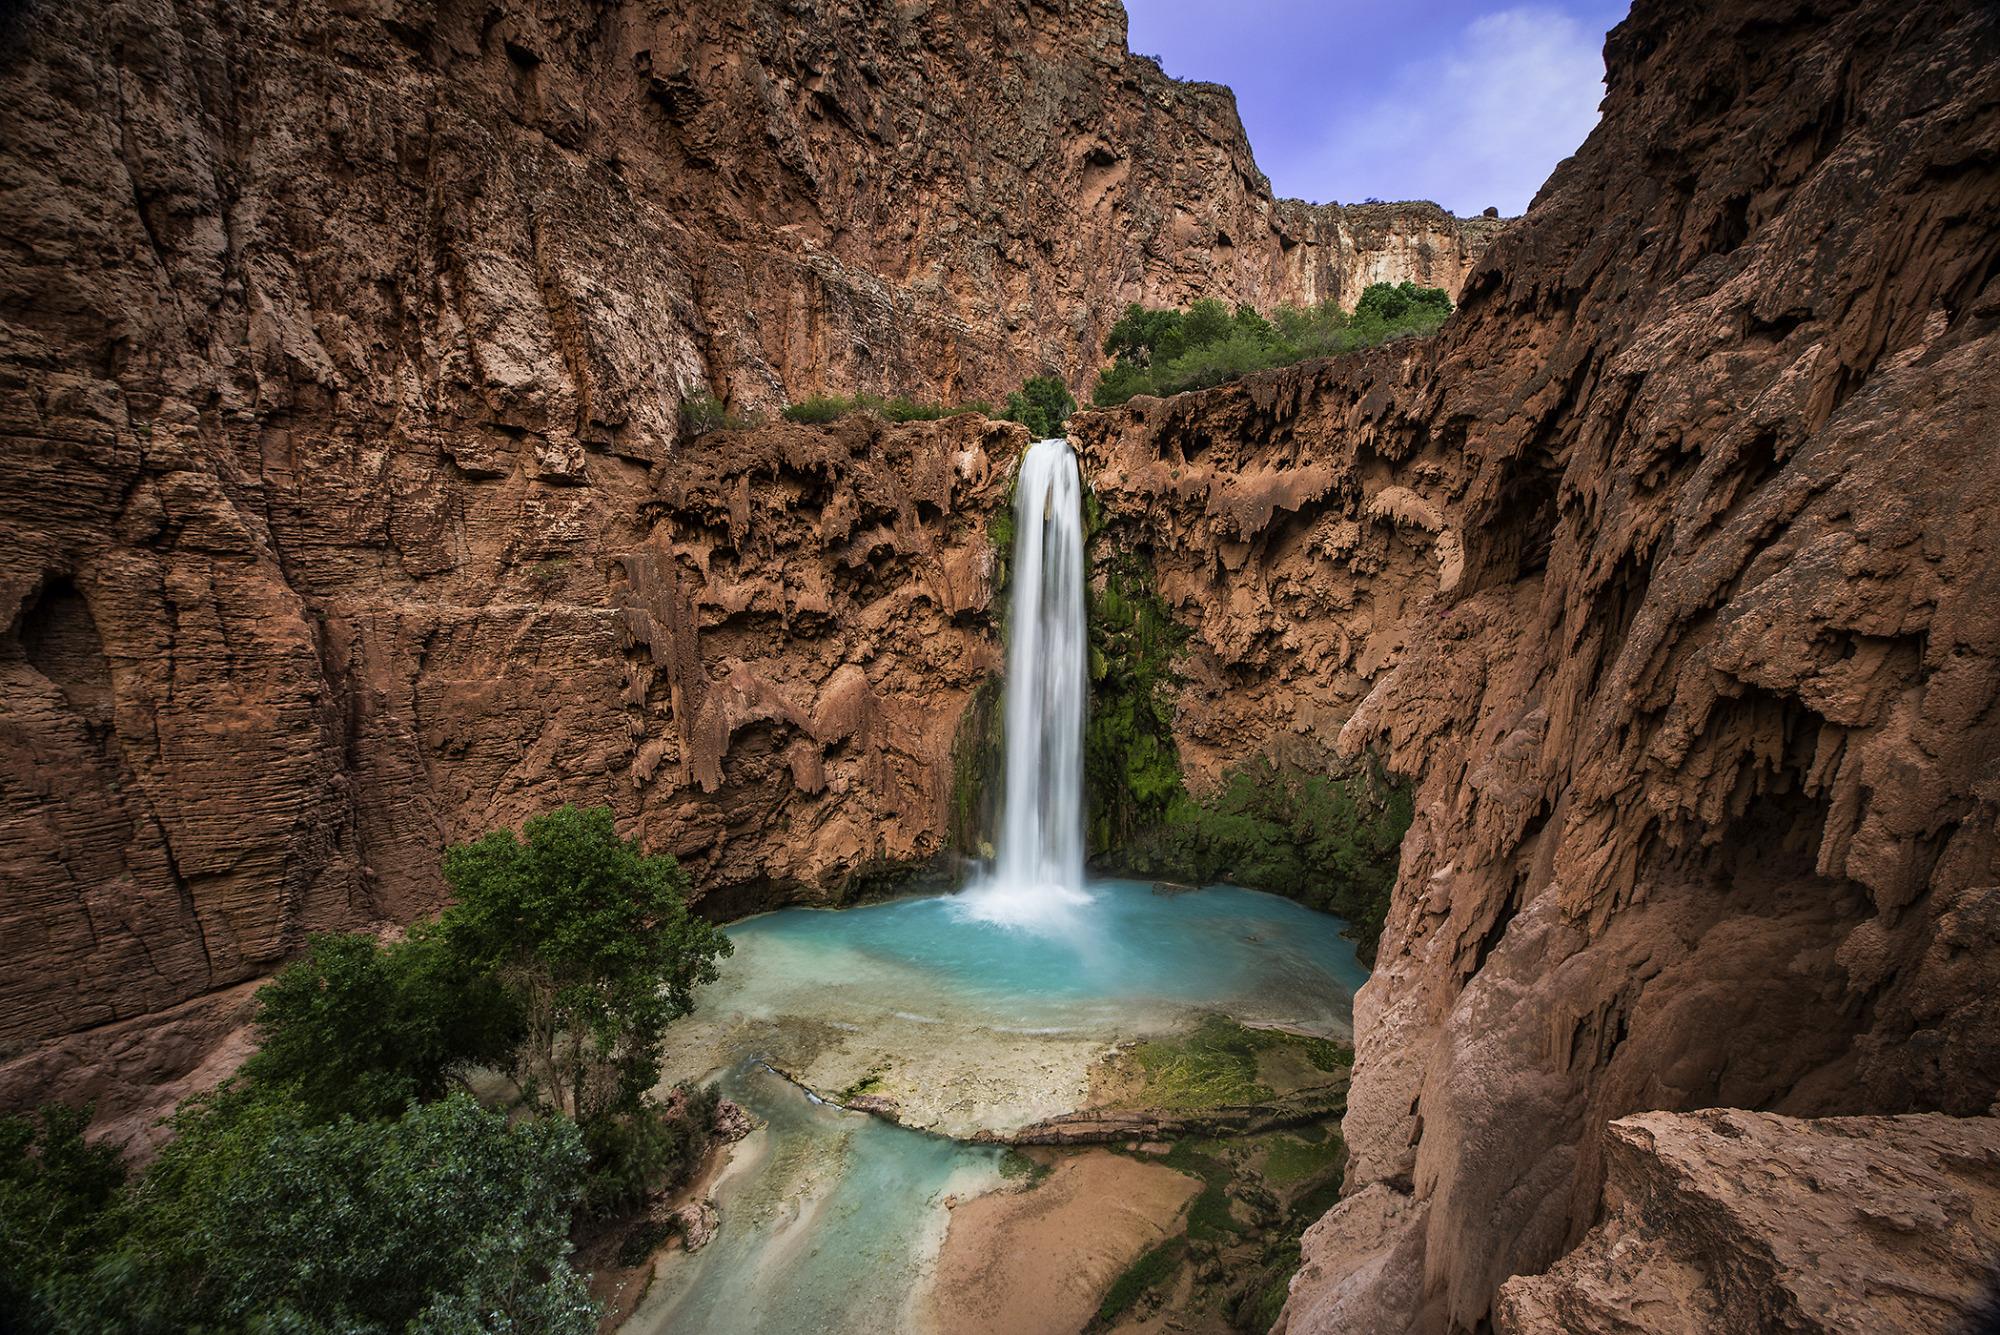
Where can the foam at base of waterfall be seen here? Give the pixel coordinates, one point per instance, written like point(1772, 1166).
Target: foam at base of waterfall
point(1036, 906)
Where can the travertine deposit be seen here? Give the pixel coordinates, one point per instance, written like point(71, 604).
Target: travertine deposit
point(1666, 569)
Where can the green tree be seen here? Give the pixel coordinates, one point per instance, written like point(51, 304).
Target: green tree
point(1119, 382)
point(1042, 405)
point(1395, 302)
point(359, 1029)
point(593, 940)
point(445, 1219)
point(1168, 351)
point(55, 1196)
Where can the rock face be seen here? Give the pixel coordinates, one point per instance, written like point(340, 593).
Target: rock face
point(1725, 1220)
point(347, 504)
point(757, 658)
point(1666, 570)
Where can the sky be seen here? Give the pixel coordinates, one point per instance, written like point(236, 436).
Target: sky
point(1467, 102)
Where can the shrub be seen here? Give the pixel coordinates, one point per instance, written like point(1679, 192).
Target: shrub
point(1043, 404)
point(1167, 351)
point(356, 1029)
point(254, 1216)
point(647, 1148)
point(702, 412)
point(55, 1198)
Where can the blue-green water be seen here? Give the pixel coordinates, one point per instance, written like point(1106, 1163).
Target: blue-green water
point(831, 1219)
point(1220, 947)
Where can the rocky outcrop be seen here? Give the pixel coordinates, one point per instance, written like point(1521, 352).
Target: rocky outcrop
point(1726, 1220)
point(348, 507)
point(1664, 570)
point(757, 658)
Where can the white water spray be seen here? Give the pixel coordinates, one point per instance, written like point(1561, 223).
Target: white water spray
point(1038, 874)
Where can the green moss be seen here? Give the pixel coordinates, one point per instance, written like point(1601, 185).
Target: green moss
point(1294, 1159)
point(867, 1084)
point(977, 751)
point(1213, 1066)
point(1017, 1167)
point(1327, 840)
point(1144, 1274)
point(1131, 767)
point(1209, 1219)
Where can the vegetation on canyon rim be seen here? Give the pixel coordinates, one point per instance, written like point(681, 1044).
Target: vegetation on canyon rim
point(1166, 351)
point(350, 1137)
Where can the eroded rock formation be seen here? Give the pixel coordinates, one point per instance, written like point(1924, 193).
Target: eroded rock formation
point(1666, 570)
point(1725, 1220)
point(347, 503)
point(231, 723)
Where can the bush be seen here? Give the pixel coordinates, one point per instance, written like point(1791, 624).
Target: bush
point(1043, 404)
point(649, 1148)
point(356, 1029)
point(1168, 351)
point(55, 1198)
point(254, 1216)
point(702, 412)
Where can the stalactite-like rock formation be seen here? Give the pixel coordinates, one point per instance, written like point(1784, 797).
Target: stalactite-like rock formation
point(346, 507)
point(1666, 569)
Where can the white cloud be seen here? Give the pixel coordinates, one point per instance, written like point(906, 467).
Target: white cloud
point(1482, 122)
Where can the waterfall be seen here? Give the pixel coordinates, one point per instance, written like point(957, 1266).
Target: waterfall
point(1039, 869)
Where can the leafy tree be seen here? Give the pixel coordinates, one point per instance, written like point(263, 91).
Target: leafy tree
point(1119, 382)
point(1400, 301)
point(361, 1030)
point(1042, 405)
point(1168, 351)
point(445, 1219)
point(593, 940)
point(55, 1195)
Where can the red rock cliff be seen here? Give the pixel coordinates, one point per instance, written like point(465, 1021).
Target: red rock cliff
point(1667, 570)
point(346, 505)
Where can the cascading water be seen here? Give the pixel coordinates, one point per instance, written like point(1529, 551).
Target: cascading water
point(1038, 873)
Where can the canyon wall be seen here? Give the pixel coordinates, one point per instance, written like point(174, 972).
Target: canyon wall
point(1667, 571)
point(347, 508)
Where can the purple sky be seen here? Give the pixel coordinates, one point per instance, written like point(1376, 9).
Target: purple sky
point(1467, 102)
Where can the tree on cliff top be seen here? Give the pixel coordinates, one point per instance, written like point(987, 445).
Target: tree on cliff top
point(1042, 405)
point(1158, 351)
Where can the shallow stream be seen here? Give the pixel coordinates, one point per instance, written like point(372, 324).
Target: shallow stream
point(830, 1220)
